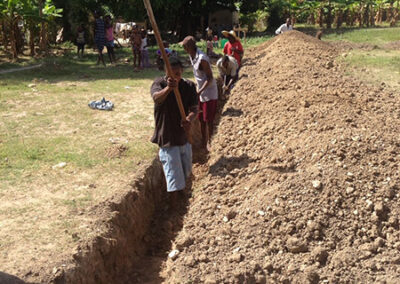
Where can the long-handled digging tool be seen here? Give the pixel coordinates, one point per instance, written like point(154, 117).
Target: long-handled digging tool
point(166, 61)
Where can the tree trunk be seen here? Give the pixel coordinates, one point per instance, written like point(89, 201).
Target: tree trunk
point(32, 41)
point(4, 34)
point(395, 17)
point(329, 17)
point(348, 18)
point(360, 16)
point(19, 39)
point(321, 17)
point(339, 18)
point(371, 17)
point(378, 17)
point(390, 13)
point(43, 31)
point(366, 16)
point(13, 42)
point(311, 19)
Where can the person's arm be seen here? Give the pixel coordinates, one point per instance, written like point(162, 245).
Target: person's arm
point(219, 67)
point(205, 67)
point(278, 30)
point(226, 48)
point(238, 49)
point(193, 111)
point(226, 87)
point(160, 96)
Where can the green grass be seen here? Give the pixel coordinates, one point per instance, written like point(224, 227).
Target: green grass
point(375, 66)
point(376, 36)
point(51, 122)
point(21, 62)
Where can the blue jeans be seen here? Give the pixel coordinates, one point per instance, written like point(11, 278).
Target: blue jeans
point(177, 165)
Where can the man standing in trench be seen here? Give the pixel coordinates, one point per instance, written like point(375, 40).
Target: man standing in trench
point(206, 88)
point(171, 130)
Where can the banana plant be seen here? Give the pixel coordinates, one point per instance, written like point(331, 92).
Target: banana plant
point(10, 14)
point(47, 13)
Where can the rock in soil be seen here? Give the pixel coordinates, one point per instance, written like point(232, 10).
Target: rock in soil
point(299, 150)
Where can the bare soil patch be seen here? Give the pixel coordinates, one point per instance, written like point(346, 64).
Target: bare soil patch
point(302, 185)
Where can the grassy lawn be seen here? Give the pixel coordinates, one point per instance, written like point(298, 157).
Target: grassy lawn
point(375, 56)
point(375, 66)
point(376, 36)
point(44, 121)
point(381, 62)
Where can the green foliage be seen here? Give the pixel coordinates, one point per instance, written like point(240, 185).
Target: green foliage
point(255, 21)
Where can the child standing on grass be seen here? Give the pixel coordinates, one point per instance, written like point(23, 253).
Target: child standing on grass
point(143, 50)
point(99, 36)
point(80, 40)
point(109, 38)
point(136, 41)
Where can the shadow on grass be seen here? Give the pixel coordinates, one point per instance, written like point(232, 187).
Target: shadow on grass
point(71, 68)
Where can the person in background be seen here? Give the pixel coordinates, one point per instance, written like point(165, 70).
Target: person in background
point(210, 48)
point(285, 27)
point(136, 41)
point(215, 41)
point(209, 32)
point(80, 40)
point(206, 88)
point(144, 51)
point(99, 36)
point(233, 47)
point(109, 38)
point(170, 132)
point(168, 51)
point(228, 70)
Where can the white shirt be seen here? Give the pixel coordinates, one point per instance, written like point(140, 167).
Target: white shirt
point(144, 44)
point(211, 92)
point(231, 69)
point(283, 28)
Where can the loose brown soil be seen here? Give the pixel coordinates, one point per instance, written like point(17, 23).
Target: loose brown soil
point(302, 181)
point(301, 186)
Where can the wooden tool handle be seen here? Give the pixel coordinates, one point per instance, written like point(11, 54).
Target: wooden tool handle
point(166, 60)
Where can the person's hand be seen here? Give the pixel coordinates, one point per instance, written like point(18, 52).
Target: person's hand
point(172, 83)
point(186, 124)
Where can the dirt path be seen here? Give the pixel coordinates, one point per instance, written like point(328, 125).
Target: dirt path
point(303, 177)
point(21, 69)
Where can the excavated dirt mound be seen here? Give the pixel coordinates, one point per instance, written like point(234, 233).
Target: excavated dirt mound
point(303, 177)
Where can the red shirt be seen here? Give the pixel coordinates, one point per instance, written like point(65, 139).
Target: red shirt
point(228, 50)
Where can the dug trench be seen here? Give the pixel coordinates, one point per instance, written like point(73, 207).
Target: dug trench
point(301, 186)
point(135, 229)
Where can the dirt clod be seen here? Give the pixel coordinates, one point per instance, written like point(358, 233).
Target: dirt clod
point(307, 158)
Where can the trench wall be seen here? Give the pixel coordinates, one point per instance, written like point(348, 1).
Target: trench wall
point(114, 252)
